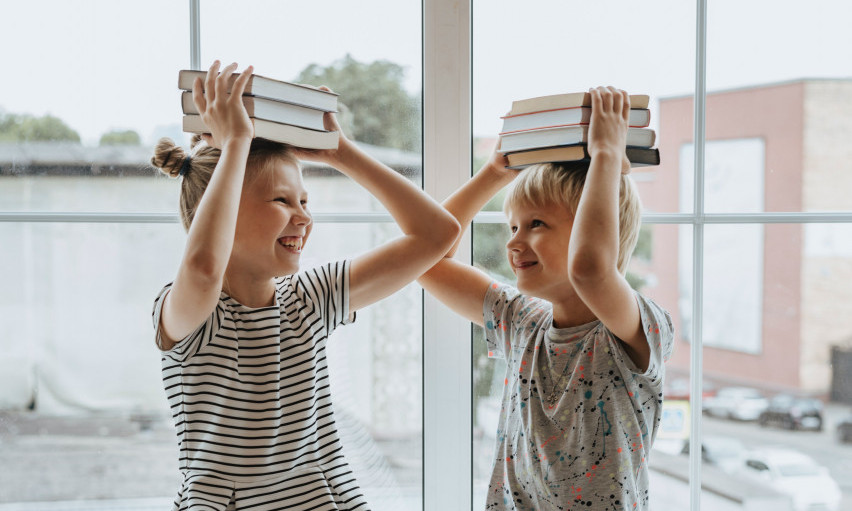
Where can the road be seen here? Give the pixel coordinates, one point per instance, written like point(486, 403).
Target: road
point(822, 446)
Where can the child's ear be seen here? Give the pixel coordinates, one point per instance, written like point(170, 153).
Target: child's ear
point(625, 164)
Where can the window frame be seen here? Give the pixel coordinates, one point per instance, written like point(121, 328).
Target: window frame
point(447, 156)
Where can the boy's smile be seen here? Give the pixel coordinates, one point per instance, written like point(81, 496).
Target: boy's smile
point(538, 248)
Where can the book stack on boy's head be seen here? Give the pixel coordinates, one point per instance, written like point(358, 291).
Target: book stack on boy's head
point(281, 111)
point(555, 129)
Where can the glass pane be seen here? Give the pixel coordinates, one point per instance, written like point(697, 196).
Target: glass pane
point(512, 68)
point(374, 65)
point(785, 85)
point(97, 90)
point(777, 355)
point(82, 410)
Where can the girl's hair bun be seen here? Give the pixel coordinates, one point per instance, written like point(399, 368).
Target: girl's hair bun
point(168, 157)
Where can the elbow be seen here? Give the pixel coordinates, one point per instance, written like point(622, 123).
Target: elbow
point(204, 268)
point(447, 232)
point(587, 268)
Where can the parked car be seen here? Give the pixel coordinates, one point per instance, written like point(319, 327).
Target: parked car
point(791, 412)
point(795, 474)
point(678, 389)
point(722, 451)
point(844, 429)
point(741, 403)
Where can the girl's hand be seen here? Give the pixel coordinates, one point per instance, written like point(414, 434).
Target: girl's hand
point(224, 114)
point(329, 156)
point(608, 127)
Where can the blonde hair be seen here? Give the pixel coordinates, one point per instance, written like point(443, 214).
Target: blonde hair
point(170, 159)
point(549, 183)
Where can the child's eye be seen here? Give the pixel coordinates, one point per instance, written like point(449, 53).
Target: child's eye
point(513, 228)
point(536, 223)
point(282, 200)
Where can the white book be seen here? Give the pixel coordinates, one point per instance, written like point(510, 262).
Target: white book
point(639, 118)
point(270, 110)
point(275, 131)
point(550, 137)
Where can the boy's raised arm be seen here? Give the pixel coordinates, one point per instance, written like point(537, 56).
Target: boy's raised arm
point(593, 248)
point(460, 286)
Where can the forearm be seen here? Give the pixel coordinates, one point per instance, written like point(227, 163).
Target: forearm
point(593, 248)
point(211, 235)
point(415, 212)
point(469, 200)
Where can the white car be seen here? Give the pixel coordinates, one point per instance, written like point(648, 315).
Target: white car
point(741, 403)
point(792, 473)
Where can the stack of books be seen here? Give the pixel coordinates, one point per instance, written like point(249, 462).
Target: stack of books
point(555, 129)
point(285, 112)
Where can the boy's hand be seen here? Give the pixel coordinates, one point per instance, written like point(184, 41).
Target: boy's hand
point(224, 114)
point(608, 127)
point(498, 163)
point(329, 156)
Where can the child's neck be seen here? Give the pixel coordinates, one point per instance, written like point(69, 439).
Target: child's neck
point(250, 291)
point(571, 311)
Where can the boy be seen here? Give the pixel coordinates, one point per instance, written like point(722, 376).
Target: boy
point(584, 352)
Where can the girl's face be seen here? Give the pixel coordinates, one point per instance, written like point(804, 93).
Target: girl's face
point(273, 223)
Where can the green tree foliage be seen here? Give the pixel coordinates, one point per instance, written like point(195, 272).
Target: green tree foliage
point(120, 137)
point(378, 110)
point(27, 128)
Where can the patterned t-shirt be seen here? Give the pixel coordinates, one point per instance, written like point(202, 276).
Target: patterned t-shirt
point(249, 392)
point(578, 417)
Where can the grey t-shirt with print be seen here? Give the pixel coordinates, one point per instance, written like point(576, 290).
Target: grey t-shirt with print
point(578, 417)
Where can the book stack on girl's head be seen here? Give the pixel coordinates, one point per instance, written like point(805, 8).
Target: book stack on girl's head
point(285, 112)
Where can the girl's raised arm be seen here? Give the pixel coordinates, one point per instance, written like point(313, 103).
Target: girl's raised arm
point(429, 231)
point(196, 288)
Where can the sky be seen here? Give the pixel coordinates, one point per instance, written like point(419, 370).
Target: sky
point(102, 65)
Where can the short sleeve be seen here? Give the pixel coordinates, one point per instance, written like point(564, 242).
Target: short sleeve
point(327, 288)
point(659, 333)
point(197, 339)
point(505, 314)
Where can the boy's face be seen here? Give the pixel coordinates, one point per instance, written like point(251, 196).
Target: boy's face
point(538, 249)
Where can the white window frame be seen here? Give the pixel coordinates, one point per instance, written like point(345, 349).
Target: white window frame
point(447, 369)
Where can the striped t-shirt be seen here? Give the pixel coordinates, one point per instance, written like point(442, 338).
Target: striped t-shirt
point(249, 393)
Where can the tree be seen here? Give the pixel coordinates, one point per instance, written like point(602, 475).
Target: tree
point(27, 128)
point(120, 137)
point(378, 110)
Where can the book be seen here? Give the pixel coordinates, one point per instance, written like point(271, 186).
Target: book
point(270, 88)
point(570, 100)
point(579, 155)
point(550, 137)
point(267, 109)
point(639, 118)
point(276, 131)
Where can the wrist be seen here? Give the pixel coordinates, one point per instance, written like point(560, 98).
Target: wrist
point(236, 143)
point(608, 158)
point(338, 157)
point(497, 172)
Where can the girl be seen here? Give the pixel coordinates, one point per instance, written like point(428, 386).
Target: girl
point(243, 331)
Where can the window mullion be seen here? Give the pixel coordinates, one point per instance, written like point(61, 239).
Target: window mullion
point(696, 369)
point(446, 352)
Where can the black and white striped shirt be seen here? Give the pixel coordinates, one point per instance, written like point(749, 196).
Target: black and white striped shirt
point(249, 393)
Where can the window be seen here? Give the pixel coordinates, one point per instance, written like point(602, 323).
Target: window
point(747, 245)
point(744, 249)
